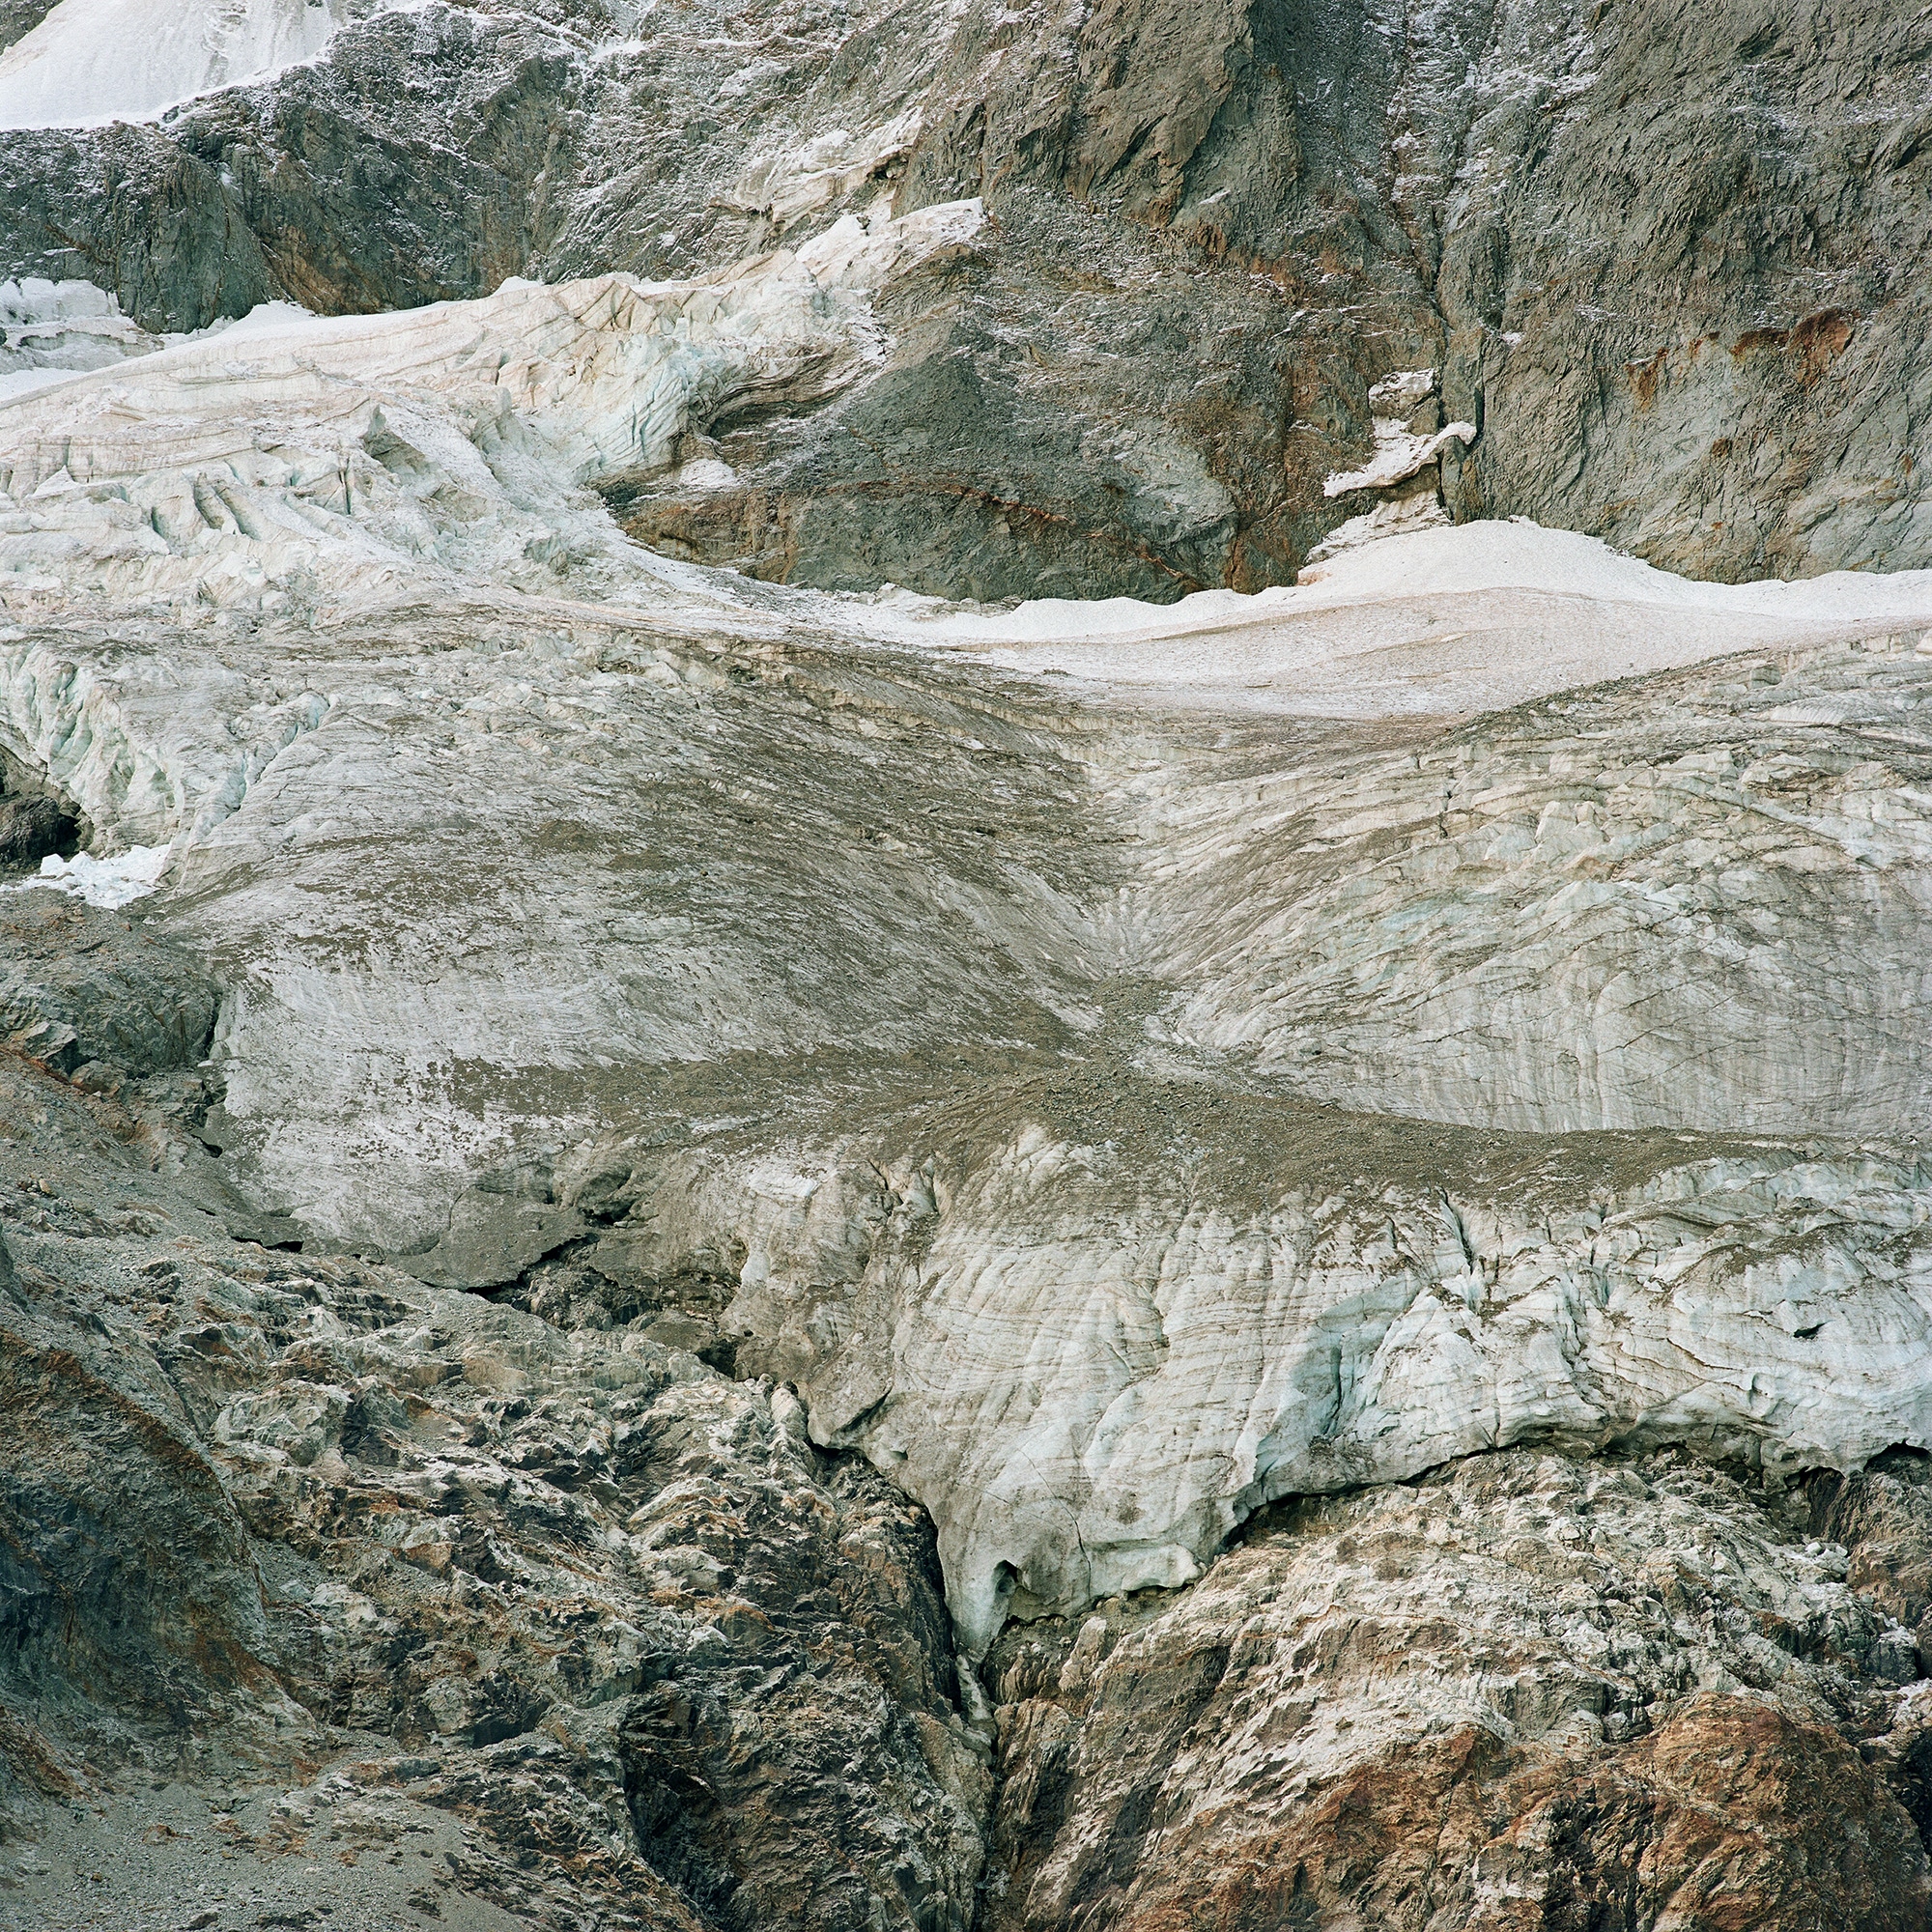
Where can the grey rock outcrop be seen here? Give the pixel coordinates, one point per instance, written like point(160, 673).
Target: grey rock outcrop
point(113, 993)
point(32, 828)
point(1368, 1716)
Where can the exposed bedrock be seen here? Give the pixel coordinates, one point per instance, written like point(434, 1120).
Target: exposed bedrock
point(1667, 272)
point(21, 16)
point(32, 828)
point(1524, 1692)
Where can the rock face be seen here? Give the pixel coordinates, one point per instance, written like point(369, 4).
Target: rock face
point(20, 17)
point(1666, 275)
point(584, 1630)
point(114, 995)
point(1616, 1702)
point(31, 829)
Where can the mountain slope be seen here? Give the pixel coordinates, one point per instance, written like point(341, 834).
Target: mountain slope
point(1670, 278)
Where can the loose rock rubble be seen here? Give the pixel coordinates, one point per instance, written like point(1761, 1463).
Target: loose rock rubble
point(332, 1595)
point(1523, 1692)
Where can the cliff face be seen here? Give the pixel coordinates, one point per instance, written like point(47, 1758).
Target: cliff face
point(1667, 269)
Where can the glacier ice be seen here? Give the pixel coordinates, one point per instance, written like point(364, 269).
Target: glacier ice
point(92, 61)
point(1124, 1063)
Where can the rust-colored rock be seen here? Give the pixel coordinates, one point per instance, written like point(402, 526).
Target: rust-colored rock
point(1469, 1705)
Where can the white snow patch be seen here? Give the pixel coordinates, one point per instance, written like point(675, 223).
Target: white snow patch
point(267, 318)
point(23, 381)
point(1517, 554)
point(1444, 619)
point(1392, 517)
point(783, 184)
point(92, 62)
point(1521, 554)
point(704, 473)
point(108, 883)
point(1399, 455)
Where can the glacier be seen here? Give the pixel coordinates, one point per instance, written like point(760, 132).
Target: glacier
point(1138, 1061)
